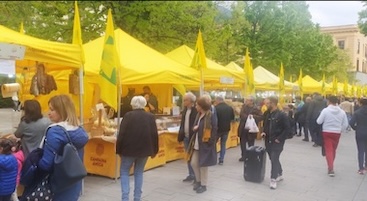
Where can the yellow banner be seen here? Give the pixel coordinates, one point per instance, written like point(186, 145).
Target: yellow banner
point(109, 66)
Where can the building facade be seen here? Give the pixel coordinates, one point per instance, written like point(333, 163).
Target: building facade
point(349, 38)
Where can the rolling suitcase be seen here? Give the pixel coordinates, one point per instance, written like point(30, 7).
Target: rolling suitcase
point(254, 164)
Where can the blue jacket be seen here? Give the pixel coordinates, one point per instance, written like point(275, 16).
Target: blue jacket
point(55, 140)
point(8, 174)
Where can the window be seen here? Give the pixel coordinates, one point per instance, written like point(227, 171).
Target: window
point(358, 48)
point(363, 67)
point(341, 44)
point(365, 51)
point(357, 65)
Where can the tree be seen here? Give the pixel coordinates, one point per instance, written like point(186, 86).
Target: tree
point(362, 20)
point(340, 66)
point(284, 32)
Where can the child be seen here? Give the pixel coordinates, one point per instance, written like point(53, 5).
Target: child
point(18, 154)
point(8, 170)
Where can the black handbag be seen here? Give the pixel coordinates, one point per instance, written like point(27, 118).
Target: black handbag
point(30, 169)
point(41, 192)
point(68, 168)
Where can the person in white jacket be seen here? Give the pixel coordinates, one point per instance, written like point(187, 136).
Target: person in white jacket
point(333, 120)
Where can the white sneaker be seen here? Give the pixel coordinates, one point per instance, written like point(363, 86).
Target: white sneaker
point(279, 178)
point(273, 184)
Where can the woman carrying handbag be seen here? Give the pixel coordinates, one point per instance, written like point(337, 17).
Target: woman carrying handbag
point(63, 115)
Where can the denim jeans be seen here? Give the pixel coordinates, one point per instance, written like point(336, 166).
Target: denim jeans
point(274, 150)
point(139, 164)
point(362, 152)
point(223, 140)
point(189, 167)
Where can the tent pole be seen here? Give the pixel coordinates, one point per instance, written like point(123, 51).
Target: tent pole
point(118, 122)
point(81, 92)
point(201, 82)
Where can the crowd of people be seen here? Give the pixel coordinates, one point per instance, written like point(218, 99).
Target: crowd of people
point(203, 123)
point(36, 131)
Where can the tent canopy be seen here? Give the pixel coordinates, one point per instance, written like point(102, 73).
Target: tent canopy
point(55, 55)
point(140, 64)
point(232, 65)
point(265, 80)
point(213, 73)
point(311, 85)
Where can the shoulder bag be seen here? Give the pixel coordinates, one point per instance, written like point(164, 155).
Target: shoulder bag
point(68, 168)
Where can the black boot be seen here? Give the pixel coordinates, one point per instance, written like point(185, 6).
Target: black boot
point(201, 189)
point(197, 185)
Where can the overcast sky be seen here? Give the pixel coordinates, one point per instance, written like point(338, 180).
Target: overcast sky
point(333, 13)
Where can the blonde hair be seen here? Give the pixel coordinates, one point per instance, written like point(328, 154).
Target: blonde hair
point(64, 106)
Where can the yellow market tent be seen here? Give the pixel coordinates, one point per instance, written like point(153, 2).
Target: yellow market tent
point(265, 80)
point(140, 65)
point(58, 58)
point(232, 65)
point(311, 85)
point(55, 55)
point(212, 74)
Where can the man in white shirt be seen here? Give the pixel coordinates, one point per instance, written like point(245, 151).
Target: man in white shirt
point(187, 123)
point(333, 121)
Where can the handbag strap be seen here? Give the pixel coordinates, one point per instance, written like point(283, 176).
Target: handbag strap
point(67, 135)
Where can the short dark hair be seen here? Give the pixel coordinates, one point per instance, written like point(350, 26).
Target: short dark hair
point(32, 111)
point(203, 103)
point(146, 87)
point(333, 99)
point(298, 97)
point(273, 99)
point(6, 144)
point(363, 101)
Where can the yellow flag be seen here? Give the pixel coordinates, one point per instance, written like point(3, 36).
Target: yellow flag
point(77, 31)
point(199, 59)
point(250, 86)
point(281, 85)
point(300, 83)
point(345, 88)
point(109, 66)
point(335, 86)
point(323, 85)
point(353, 91)
point(359, 91)
point(21, 29)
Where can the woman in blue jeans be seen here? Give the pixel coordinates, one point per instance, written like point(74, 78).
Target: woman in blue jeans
point(136, 141)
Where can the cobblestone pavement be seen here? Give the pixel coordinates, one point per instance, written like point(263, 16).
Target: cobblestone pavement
point(305, 177)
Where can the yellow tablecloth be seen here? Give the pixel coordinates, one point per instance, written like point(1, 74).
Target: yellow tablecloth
point(100, 157)
point(174, 150)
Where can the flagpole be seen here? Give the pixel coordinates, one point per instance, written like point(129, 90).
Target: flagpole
point(118, 120)
point(201, 82)
point(81, 111)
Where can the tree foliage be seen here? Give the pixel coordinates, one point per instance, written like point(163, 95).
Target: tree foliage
point(362, 20)
point(274, 31)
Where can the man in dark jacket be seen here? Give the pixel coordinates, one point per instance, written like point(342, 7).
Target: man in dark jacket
point(248, 108)
point(276, 129)
point(186, 129)
point(225, 115)
point(313, 112)
point(302, 118)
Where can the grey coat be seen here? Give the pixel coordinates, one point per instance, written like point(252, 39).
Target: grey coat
point(31, 134)
point(207, 150)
